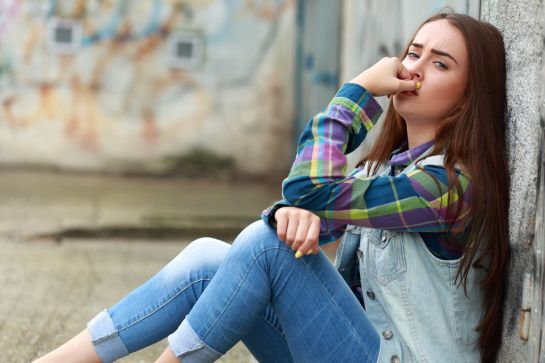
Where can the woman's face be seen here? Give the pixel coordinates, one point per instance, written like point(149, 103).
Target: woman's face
point(437, 58)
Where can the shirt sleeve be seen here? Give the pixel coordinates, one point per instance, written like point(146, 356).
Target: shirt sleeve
point(419, 201)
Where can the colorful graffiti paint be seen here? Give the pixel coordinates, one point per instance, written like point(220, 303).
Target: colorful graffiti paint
point(92, 84)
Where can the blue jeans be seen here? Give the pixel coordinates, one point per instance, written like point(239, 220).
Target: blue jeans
point(213, 295)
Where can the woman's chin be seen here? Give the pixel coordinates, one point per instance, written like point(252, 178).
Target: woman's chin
point(407, 113)
point(403, 107)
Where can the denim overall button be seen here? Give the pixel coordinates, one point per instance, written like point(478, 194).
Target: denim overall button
point(370, 294)
point(359, 254)
point(387, 334)
point(384, 237)
point(395, 359)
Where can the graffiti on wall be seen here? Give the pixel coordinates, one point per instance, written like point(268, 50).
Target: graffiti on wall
point(101, 76)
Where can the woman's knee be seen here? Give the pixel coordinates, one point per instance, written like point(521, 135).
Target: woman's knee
point(203, 255)
point(211, 247)
point(258, 236)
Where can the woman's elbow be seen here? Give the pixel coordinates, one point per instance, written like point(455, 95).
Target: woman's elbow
point(296, 190)
point(304, 194)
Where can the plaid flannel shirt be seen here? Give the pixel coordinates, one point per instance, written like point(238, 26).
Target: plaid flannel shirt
point(416, 201)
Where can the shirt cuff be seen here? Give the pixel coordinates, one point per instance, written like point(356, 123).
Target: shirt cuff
point(268, 214)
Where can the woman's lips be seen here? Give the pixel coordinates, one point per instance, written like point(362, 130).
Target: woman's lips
point(409, 93)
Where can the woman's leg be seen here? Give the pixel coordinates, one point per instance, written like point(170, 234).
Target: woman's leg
point(265, 340)
point(155, 309)
point(79, 349)
point(320, 317)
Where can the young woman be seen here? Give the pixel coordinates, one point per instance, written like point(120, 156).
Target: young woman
point(424, 219)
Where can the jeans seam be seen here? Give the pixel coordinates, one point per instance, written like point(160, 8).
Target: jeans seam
point(274, 327)
point(244, 279)
point(162, 305)
point(353, 329)
point(412, 326)
point(201, 344)
point(457, 335)
point(236, 291)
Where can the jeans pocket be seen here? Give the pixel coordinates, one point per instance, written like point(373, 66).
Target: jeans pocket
point(387, 255)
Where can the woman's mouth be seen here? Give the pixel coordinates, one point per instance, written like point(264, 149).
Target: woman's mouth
point(409, 93)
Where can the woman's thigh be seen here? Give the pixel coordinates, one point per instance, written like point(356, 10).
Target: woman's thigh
point(321, 318)
point(266, 340)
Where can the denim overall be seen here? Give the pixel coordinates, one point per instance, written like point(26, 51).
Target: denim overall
point(410, 295)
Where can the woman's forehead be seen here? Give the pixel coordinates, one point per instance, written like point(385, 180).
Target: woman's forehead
point(443, 36)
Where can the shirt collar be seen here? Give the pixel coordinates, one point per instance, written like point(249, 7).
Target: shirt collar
point(401, 158)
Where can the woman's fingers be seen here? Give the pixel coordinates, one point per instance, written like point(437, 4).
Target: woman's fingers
point(310, 245)
point(402, 72)
point(281, 223)
point(299, 229)
point(291, 232)
point(387, 77)
point(408, 85)
point(405, 81)
point(302, 231)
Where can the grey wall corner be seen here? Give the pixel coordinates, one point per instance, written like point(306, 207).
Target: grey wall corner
point(522, 26)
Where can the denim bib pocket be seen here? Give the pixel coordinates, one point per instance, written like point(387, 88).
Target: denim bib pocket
point(387, 255)
point(345, 262)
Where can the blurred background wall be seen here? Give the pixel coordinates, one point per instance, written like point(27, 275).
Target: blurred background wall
point(183, 86)
point(146, 86)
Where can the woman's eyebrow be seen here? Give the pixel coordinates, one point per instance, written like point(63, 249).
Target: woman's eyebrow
point(438, 52)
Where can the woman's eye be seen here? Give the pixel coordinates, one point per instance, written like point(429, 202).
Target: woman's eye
point(412, 55)
point(441, 65)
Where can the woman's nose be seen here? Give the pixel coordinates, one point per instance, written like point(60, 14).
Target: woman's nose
point(417, 74)
point(415, 69)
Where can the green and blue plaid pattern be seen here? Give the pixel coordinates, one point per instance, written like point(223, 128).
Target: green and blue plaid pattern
point(416, 201)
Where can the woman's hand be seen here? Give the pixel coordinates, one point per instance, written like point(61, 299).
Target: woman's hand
point(299, 228)
point(386, 77)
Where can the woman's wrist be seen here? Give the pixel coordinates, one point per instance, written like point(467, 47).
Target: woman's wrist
point(363, 81)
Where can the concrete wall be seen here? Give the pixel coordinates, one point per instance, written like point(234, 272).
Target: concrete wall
point(115, 100)
point(521, 24)
point(318, 58)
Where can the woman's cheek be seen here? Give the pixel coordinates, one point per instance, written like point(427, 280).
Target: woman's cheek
point(441, 98)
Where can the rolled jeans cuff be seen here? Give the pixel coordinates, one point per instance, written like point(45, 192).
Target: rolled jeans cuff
point(105, 338)
point(186, 344)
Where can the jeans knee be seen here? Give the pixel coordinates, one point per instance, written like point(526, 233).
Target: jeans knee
point(201, 256)
point(213, 246)
point(258, 236)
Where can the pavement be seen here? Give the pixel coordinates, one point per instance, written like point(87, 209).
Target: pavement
point(72, 245)
point(51, 205)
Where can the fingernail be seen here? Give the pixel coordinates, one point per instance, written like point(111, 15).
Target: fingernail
point(310, 252)
point(298, 254)
point(418, 85)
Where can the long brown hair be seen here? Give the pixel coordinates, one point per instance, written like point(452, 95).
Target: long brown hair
point(472, 135)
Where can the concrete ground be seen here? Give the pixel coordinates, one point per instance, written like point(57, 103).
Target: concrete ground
point(50, 291)
point(72, 245)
